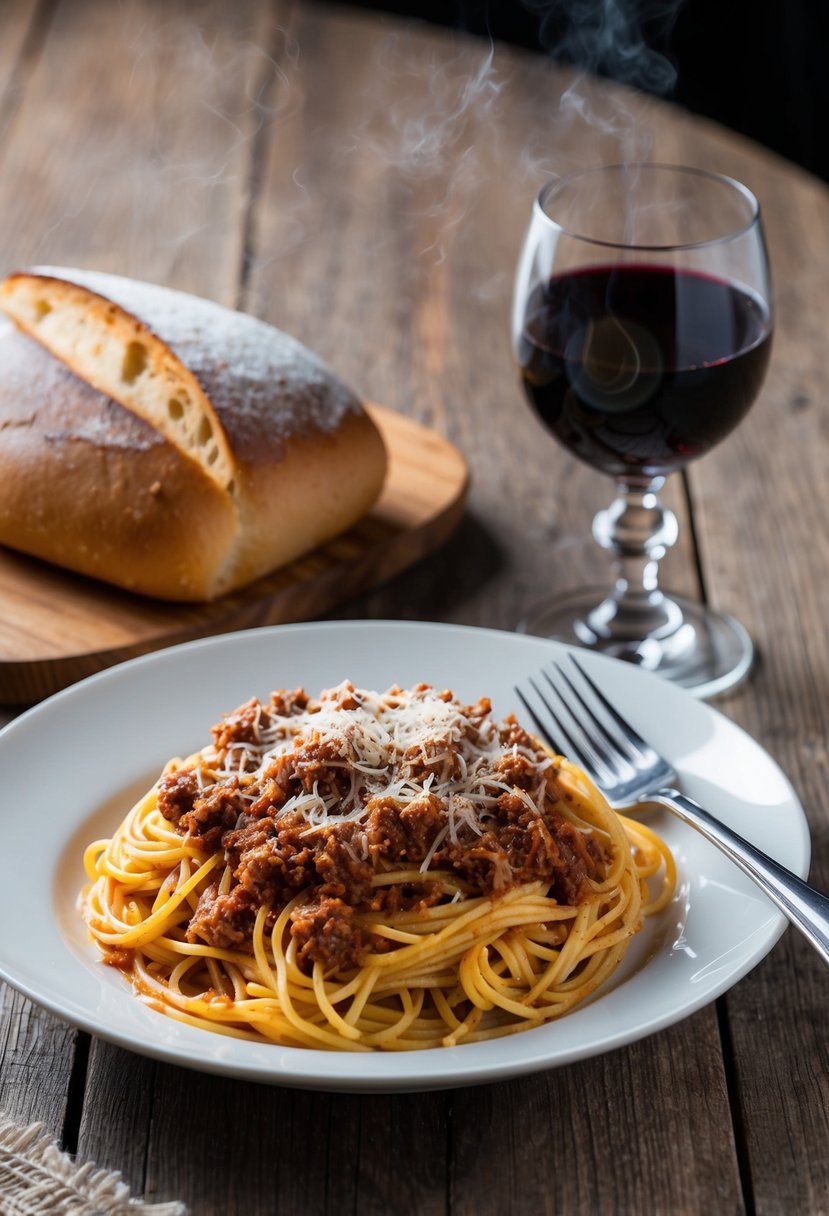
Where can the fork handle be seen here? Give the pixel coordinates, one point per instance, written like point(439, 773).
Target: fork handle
point(805, 907)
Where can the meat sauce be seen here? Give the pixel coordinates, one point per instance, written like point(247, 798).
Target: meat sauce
point(320, 797)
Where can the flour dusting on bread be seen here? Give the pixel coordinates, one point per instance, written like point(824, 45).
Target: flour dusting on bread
point(287, 456)
point(261, 381)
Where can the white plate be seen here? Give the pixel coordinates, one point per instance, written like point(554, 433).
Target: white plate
point(73, 765)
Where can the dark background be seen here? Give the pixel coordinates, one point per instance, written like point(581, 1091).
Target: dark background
point(760, 67)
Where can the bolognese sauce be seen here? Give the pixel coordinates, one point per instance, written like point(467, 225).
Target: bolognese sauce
point(322, 795)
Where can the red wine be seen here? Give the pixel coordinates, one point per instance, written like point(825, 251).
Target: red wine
point(639, 369)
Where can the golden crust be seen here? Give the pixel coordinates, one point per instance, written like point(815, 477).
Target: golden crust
point(257, 460)
point(88, 486)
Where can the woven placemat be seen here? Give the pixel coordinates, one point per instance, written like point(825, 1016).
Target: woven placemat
point(38, 1179)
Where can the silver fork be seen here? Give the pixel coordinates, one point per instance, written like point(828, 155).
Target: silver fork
point(576, 719)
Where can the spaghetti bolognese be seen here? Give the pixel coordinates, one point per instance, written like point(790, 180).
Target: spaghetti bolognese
point(368, 870)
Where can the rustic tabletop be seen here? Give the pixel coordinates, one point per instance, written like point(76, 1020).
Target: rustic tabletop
point(365, 183)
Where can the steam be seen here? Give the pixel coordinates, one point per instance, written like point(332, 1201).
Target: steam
point(432, 142)
point(427, 143)
point(431, 154)
point(618, 39)
point(613, 38)
point(187, 165)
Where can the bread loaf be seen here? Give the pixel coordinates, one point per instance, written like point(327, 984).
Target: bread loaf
point(167, 444)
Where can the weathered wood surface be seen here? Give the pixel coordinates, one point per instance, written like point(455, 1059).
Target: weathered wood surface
point(336, 173)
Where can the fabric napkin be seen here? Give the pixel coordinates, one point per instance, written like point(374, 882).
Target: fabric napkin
point(37, 1179)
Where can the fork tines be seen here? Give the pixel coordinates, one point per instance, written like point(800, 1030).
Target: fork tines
point(577, 720)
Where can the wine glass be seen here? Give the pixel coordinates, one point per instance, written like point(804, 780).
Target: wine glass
point(642, 326)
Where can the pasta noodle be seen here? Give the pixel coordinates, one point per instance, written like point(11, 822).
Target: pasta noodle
point(371, 871)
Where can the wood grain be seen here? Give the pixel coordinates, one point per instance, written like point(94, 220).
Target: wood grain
point(36, 1057)
point(580, 1139)
point(22, 25)
point(130, 151)
point(56, 627)
point(36, 1050)
point(364, 183)
point(766, 547)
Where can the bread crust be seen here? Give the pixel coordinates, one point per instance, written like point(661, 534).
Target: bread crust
point(264, 453)
point(88, 486)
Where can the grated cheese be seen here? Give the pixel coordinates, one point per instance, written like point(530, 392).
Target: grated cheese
point(382, 740)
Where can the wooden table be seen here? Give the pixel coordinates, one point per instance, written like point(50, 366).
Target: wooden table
point(364, 183)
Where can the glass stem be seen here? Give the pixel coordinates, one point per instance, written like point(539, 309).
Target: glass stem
point(638, 530)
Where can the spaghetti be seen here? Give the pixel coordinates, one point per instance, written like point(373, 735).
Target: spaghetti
point(371, 870)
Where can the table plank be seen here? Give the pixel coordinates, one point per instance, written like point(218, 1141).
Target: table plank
point(117, 1115)
point(37, 1053)
point(766, 548)
point(581, 1139)
point(24, 25)
point(765, 555)
point(167, 201)
point(296, 1152)
point(36, 1050)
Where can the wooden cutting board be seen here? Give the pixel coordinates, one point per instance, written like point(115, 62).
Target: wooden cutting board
point(56, 627)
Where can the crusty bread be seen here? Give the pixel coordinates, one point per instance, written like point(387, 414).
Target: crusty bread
point(249, 449)
point(68, 455)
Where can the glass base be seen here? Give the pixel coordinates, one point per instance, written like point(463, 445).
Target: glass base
point(706, 652)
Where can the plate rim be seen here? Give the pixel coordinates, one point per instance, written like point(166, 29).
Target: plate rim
point(450, 1067)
